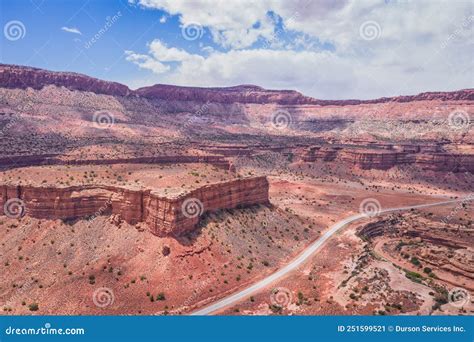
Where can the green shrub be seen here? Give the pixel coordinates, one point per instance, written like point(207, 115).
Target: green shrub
point(413, 276)
point(33, 307)
point(300, 298)
point(276, 308)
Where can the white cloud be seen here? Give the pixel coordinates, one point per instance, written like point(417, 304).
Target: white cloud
point(71, 30)
point(233, 24)
point(206, 49)
point(163, 19)
point(146, 62)
point(418, 46)
point(270, 68)
point(238, 24)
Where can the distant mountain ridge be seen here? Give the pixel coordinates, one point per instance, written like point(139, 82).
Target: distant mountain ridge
point(23, 77)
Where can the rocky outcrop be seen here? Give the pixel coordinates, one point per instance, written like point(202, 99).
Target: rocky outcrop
point(320, 153)
point(50, 159)
point(449, 162)
point(398, 228)
point(375, 159)
point(22, 77)
point(225, 195)
point(377, 228)
point(164, 216)
point(459, 95)
point(237, 94)
point(424, 157)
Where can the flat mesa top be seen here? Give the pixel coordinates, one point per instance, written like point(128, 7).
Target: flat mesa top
point(164, 180)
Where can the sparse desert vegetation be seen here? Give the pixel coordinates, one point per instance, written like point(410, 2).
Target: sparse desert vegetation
point(79, 240)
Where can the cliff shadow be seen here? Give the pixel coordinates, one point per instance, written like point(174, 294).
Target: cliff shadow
point(219, 217)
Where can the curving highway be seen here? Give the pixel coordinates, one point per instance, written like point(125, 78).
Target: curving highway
point(300, 259)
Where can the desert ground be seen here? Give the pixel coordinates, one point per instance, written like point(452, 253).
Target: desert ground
point(164, 202)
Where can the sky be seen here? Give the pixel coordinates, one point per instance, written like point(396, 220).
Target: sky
point(337, 49)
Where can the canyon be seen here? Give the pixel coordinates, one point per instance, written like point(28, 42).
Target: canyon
point(195, 193)
point(417, 249)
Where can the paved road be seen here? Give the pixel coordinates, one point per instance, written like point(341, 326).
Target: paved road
point(304, 256)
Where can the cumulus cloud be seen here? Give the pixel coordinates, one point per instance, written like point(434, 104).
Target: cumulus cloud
point(233, 24)
point(340, 48)
point(240, 23)
point(270, 68)
point(71, 30)
point(146, 62)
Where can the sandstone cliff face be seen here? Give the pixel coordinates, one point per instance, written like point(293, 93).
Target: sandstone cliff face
point(323, 153)
point(76, 201)
point(238, 94)
point(164, 216)
point(381, 160)
point(377, 228)
point(459, 95)
point(179, 216)
point(14, 76)
point(446, 162)
point(426, 158)
point(22, 77)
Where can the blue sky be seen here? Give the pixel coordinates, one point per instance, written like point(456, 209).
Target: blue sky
point(45, 45)
point(326, 49)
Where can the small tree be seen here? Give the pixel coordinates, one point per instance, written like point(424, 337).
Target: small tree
point(300, 298)
point(33, 307)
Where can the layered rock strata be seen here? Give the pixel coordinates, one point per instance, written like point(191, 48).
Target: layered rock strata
point(23, 161)
point(384, 159)
point(164, 216)
point(23, 77)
